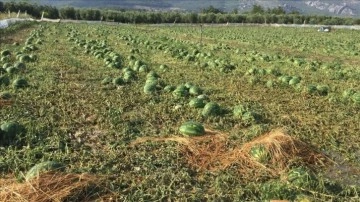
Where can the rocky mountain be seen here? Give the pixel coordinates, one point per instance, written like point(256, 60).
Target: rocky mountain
point(321, 7)
point(338, 8)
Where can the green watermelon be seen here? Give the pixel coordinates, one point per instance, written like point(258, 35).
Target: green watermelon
point(5, 59)
point(250, 116)
point(211, 109)
point(25, 58)
point(150, 88)
point(239, 110)
point(301, 177)
point(143, 68)
point(4, 80)
point(285, 79)
point(5, 53)
point(204, 97)
point(12, 70)
point(169, 88)
point(180, 91)
point(260, 154)
point(295, 80)
point(129, 75)
point(118, 81)
point(152, 74)
point(20, 65)
point(11, 131)
point(311, 89)
point(5, 95)
point(192, 128)
point(195, 90)
point(20, 83)
point(197, 103)
point(188, 85)
point(356, 98)
point(42, 167)
point(163, 67)
point(6, 65)
point(322, 89)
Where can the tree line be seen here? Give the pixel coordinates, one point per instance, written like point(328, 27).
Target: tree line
point(207, 15)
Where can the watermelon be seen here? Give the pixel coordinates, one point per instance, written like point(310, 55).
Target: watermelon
point(204, 97)
point(5, 53)
point(143, 68)
point(259, 153)
point(152, 80)
point(20, 83)
point(152, 74)
point(188, 85)
point(118, 81)
point(6, 65)
point(195, 90)
point(12, 70)
point(197, 103)
point(301, 177)
point(211, 109)
point(322, 89)
point(20, 65)
point(169, 88)
point(126, 69)
point(5, 59)
point(239, 110)
point(180, 91)
point(131, 57)
point(129, 75)
point(285, 79)
point(163, 67)
point(5, 95)
point(192, 128)
point(11, 131)
point(356, 98)
point(250, 116)
point(311, 89)
point(42, 167)
point(150, 88)
point(25, 58)
point(295, 80)
point(4, 80)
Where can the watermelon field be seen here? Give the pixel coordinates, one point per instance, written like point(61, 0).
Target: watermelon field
point(96, 112)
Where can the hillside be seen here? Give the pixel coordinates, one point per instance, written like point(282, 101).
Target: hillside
point(328, 7)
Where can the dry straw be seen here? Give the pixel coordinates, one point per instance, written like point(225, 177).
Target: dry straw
point(4, 103)
point(211, 152)
point(55, 186)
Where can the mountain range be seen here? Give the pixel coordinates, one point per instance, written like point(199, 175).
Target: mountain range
point(349, 8)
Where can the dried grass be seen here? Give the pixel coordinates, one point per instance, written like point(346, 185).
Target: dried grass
point(55, 186)
point(4, 103)
point(211, 152)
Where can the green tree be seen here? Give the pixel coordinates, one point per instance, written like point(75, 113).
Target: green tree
point(192, 18)
point(257, 9)
point(211, 9)
point(277, 11)
point(68, 13)
point(235, 11)
point(2, 6)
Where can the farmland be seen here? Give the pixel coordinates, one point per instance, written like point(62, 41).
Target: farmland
point(109, 101)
